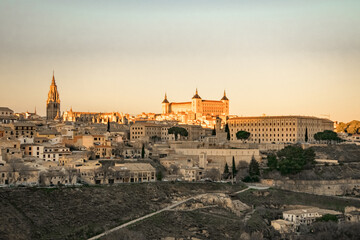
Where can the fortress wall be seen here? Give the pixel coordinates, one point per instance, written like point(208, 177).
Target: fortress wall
point(319, 187)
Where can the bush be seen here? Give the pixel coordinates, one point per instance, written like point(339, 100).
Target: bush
point(251, 179)
point(327, 218)
point(293, 159)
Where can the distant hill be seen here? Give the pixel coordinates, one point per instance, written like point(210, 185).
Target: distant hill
point(352, 127)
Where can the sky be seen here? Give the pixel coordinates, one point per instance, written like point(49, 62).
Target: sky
point(273, 57)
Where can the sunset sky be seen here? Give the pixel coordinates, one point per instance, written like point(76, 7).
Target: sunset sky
point(273, 57)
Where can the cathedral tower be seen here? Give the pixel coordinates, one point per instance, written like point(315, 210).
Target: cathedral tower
point(53, 102)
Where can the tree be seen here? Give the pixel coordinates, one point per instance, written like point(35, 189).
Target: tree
point(306, 135)
point(122, 174)
point(243, 135)
point(327, 135)
point(178, 131)
point(327, 218)
point(213, 132)
point(213, 174)
point(92, 155)
point(159, 175)
point(293, 159)
point(272, 161)
point(143, 151)
point(155, 138)
point(226, 168)
point(119, 149)
point(254, 168)
point(227, 130)
point(174, 169)
point(352, 127)
point(18, 171)
point(233, 167)
point(105, 172)
point(108, 125)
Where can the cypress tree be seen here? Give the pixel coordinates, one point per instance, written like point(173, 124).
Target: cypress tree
point(227, 131)
point(108, 125)
point(306, 135)
point(214, 131)
point(233, 166)
point(226, 169)
point(143, 151)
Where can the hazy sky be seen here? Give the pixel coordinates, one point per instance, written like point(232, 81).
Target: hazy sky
point(288, 57)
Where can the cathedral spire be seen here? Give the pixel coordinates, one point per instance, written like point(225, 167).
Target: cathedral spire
point(53, 101)
point(53, 79)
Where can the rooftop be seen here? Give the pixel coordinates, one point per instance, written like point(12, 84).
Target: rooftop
point(6, 109)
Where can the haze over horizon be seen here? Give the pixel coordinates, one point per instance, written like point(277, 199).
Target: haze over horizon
point(274, 57)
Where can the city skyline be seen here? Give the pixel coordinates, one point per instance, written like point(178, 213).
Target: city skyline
point(281, 59)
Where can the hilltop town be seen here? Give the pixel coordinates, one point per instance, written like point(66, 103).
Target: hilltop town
point(272, 176)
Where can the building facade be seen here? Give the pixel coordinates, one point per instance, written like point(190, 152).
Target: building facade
point(197, 106)
point(279, 129)
point(6, 115)
point(92, 117)
point(53, 102)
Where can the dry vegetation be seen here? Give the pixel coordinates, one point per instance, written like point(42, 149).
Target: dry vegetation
point(79, 213)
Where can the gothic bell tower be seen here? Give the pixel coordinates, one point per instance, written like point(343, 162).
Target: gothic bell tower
point(53, 102)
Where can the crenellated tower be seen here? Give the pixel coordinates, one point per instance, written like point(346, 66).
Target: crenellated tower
point(53, 102)
point(225, 100)
point(165, 106)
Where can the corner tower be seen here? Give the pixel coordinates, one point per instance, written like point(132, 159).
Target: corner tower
point(165, 106)
point(196, 103)
point(53, 102)
point(225, 100)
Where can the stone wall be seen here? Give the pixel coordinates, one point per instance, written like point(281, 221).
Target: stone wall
point(319, 187)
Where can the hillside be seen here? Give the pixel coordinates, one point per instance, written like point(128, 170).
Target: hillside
point(79, 213)
point(342, 152)
point(352, 127)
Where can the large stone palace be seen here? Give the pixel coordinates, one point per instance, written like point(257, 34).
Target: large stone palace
point(279, 129)
point(198, 106)
point(53, 102)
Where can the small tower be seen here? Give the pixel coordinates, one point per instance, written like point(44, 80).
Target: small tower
point(225, 100)
point(165, 106)
point(196, 103)
point(53, 102)
point(218, 125)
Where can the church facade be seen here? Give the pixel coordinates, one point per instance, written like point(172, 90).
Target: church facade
point(198, 106)
point(53, 102)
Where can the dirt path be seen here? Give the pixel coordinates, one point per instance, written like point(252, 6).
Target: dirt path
point(157, 212)
point(144, 217)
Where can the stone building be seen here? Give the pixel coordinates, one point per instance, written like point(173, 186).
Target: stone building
point(21, 129)
point(306, 216)
point(198, 106)
point(53, 102)
point(6, 115)
point(92, 117)
point(279, 129)
point(158, 130)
